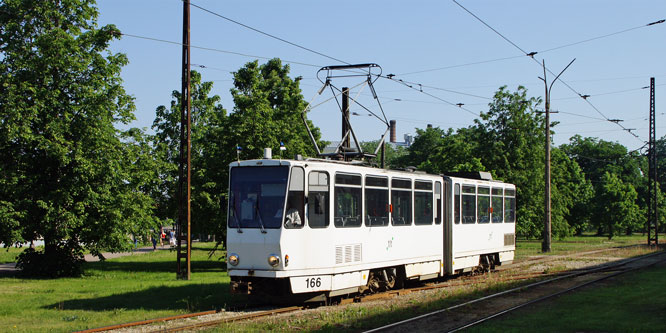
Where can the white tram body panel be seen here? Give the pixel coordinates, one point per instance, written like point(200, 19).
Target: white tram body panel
point(476, 230)
point(320, 226)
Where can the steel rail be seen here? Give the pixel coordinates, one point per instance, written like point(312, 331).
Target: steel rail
point(232, 319)
point(364, 298)
point(479, 321)
point(148, 321)
point(520, 288)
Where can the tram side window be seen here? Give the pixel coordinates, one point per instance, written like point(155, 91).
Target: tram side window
point(438, 202)
point(483, 201)
point(376, 201)
point(347, 201)
point(318, 216)
point(468, 204)
point(497, 205)
point(295, 219)
point(509, 206)
point(456, 203)
point(401, 201)
point(422, 203)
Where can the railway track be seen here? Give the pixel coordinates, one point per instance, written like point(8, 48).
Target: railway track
point(502, 275)
point(594, 275)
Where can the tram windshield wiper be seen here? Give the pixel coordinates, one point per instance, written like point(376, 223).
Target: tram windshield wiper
point(261, 221)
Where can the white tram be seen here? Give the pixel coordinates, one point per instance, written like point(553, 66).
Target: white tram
point(318, 228)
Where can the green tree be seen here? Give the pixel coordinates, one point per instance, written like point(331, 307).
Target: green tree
point(393, 154)
point(571, 194)
point(618, 210)
point(508, 141)
point(208, 182)
point(66, 173)
point(267, 111)
point(510, 138)
point(268, 106)
point(660, 147)
point(437, 151)
point(596, 158)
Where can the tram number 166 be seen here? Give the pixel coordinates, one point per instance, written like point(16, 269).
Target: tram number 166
point(313, 282)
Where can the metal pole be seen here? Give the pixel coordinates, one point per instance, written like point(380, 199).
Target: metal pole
point(652, 221)
point(383, 153)
point(546, 245)
point(345, 120)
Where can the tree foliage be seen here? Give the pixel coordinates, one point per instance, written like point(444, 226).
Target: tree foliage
point(208, 122)
point(511, 146)
point(597, 158)
point(437, 151)
point(619, 210)
point(267, 111)
point(66, 173)
point(508, 141)
point(393, 153)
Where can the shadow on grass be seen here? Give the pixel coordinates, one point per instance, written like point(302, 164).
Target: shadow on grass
point(154, 266)
point(190, 298)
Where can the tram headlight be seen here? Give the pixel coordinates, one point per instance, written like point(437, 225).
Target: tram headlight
point(273, 260)
point(233, 259)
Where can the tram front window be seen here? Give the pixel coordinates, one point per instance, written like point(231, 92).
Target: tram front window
point(257, 196)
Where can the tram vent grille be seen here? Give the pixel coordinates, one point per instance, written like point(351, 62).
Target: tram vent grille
point(357, 252)
point(338, 255)
point(348, 253)
point(509, 239)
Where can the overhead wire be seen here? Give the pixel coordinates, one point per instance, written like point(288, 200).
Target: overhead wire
point(460, 65)
point(524, 53)
point(406, 83)
point(459, 105)
point(218, 50)
point(531, 55)
point(603, 36)
point(267, 34)
point(603, 94)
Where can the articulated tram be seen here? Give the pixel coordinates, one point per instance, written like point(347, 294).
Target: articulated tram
point(317, 228)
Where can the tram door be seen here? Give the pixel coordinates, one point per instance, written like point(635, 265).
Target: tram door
point(447, 227)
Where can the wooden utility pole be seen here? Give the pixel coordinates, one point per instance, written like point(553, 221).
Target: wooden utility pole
point(545, 245)
point(184, 170)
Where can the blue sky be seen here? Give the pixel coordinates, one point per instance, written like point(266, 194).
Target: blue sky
point(406, 37)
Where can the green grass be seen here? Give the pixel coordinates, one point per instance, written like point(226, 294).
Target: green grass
point(9, 254)
point(526, 248)
point(144, 286)
point(631, 303)
point(136, 287)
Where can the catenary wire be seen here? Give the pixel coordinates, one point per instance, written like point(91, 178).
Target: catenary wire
point(218, 50)
point(267, 34)
point(600, 37)
point(540, 64)
point(431, 95)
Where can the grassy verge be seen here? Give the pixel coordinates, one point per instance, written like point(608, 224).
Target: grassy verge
point(136, 287)
point(143, 286)
point(9, 254)
point(526, 248)
point(629, 303)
